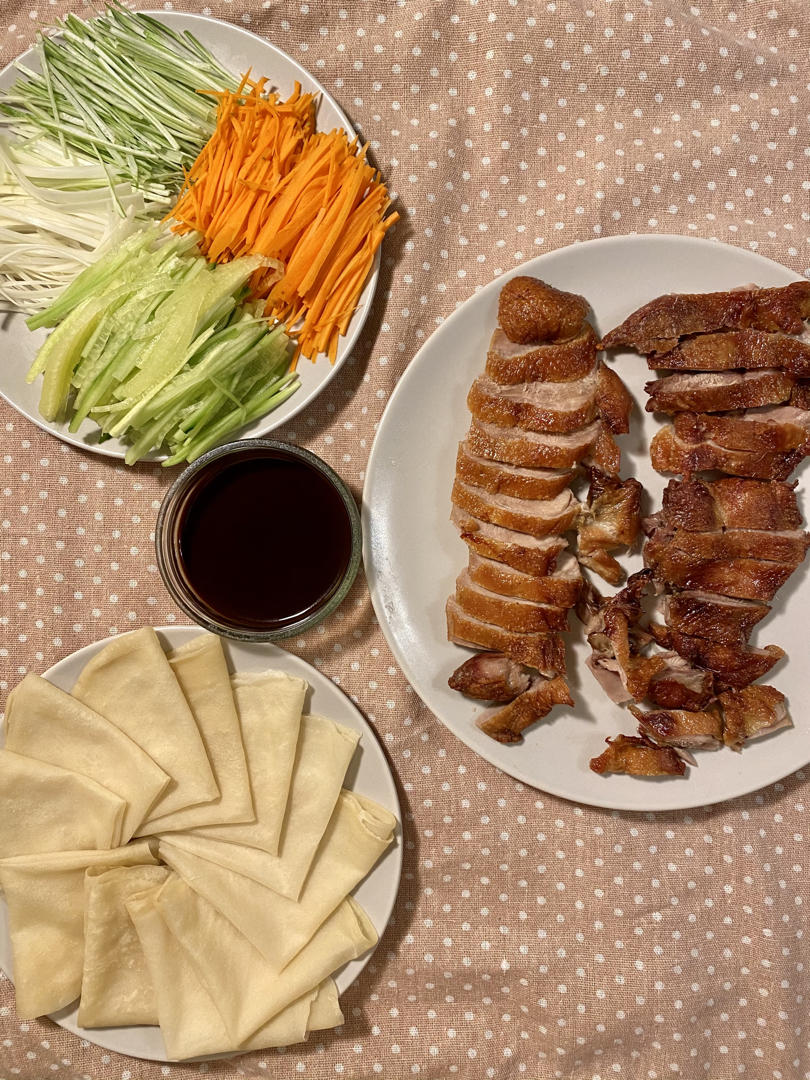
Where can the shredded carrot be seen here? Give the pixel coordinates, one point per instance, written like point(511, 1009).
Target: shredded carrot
point(267, 183)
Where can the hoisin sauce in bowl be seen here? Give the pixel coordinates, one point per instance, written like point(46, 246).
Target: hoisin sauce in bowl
point(258, 540)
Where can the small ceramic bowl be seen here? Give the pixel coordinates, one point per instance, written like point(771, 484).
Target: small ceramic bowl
point(258, 540)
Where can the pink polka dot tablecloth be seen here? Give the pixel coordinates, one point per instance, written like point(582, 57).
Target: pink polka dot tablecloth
point(532, 937)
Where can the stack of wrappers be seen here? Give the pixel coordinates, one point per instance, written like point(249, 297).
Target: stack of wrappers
point(177, 848)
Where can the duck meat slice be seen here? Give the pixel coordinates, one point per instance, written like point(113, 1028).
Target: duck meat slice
point(561, 587)
point(534, 449)
point(775, 428)
point(680, 685)
point(538, 517)
point(733, 667)
point(752, 712)
point(531, 554)
point(609, 521)
point(745, 349)
point(657, 326)
point(509, 363)
point(706, 615)
point(615, 401)
point(507, 725)
point(743, 579)
point(531, 310)
point(490, 676)
point(788, 546)
point(508, 612)
point(638, 756)
point(512, 480)
point(691, 730)
point(669, 453)
point(545, 652)
point(718, 391)
point(536, 406)
point(702, 506)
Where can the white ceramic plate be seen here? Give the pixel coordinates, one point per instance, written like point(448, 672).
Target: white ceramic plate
point(237, 50)
point(369, 774)
point(413, 554)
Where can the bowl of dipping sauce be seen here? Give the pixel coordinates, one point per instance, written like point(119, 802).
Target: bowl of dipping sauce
point(258, 540)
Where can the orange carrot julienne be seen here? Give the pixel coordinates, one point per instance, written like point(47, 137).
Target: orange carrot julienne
point(267, 183)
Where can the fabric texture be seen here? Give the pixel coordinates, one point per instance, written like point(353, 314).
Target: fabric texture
point(532, 937)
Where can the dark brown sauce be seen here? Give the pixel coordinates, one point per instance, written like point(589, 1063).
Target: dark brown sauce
point(264, 539)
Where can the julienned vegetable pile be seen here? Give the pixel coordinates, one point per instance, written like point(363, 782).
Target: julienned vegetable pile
point(173, 342)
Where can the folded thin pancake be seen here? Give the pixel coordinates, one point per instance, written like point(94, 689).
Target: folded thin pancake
point(131, 683)
point(324, 752)
point(116, 987)
point(202, 672)
point(45, 897)
point(269, 705)
point(190, 1022)
point(357, 835)
point(247, 990)
point(49, 724)
point(45, 808)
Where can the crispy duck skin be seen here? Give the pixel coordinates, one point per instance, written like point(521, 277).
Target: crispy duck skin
point(508, 612)
point(509, 362)
point(746, 349)
point(552, 407)
point(615, 401)
point(702, 506)
point(681, 685)
point(751, 712)
point(537, 517)
point(530, 310)
point(507, 725)
point(733, 667)
point(717, 618)
point(638, 756)
point(671, 454)
point(530, 554)
point(743, 579)
point(657, 326)
point(800, 396)
point(690, 730)
point(771, 429)
point(531, 449)
point(609, 520)
point(490, 676)
point(545, 652)
point(561, 587)
point(781, 547)
point(500, 479)
point(718, 391)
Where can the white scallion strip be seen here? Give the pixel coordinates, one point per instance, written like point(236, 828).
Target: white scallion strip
point(57, 216)
point(122, 89)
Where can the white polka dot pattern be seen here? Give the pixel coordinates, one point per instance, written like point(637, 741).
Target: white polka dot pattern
point(532, 938)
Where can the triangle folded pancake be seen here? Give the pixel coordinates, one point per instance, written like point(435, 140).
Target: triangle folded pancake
point(131, 683)
point(116, 987)
point(322, 757)
point(46, 808)
point(247, 990)
point(190, 1022)
point(358, 833)
point(49, 724)
point(45, 897)
point(200, 668)
point(269, 704)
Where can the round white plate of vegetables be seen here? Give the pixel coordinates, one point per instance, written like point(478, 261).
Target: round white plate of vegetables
point(235, 378)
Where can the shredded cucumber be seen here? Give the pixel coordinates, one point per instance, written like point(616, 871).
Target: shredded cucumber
point(158, 348)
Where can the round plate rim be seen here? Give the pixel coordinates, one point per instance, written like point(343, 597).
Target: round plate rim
point(272, 420)
point(175, 635)
point(374, 464)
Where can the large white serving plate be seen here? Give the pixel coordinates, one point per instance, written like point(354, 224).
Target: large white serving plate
point(369, 774)
point(413, 553)
point(238, 50)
